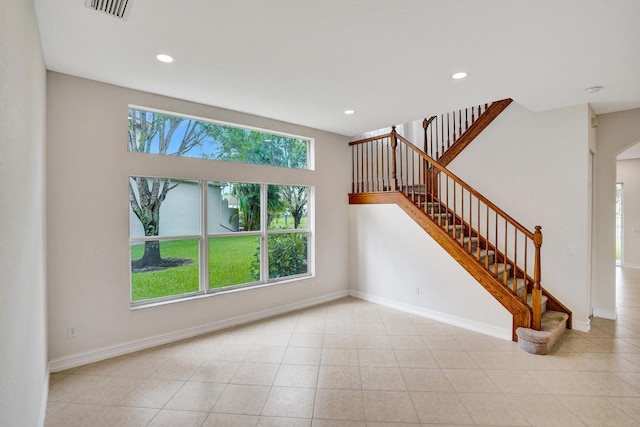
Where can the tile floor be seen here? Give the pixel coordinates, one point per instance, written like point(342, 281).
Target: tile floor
point(351, 363)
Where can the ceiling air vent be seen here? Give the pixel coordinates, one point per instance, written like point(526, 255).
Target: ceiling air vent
point(117, 8)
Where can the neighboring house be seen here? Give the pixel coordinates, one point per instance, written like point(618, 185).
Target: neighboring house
point(64, 258)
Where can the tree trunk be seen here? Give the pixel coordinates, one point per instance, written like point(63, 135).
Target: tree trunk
point(151, 255)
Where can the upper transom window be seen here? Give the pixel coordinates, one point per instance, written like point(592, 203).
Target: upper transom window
point(161, 133)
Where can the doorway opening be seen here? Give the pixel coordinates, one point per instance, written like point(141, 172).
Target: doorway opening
point(619, 223)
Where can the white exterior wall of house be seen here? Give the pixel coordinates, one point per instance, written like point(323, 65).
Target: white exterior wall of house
point(24, 376)
point(535, 167)
point(88, 167)
point(628, 173)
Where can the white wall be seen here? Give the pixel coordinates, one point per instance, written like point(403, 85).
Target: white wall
point(88, 214)
point(616, 132)
point(392, 256)
point(535, 167)
point(23, 348)
point(628, 173)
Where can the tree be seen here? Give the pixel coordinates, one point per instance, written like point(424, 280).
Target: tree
point(160, 134)
point(294, 199)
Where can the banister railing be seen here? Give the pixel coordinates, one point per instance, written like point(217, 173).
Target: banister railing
point(390, 162)
point(446, 135)
point(442, 131)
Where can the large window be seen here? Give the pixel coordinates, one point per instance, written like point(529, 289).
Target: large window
point(196, 237)
point(161, 133)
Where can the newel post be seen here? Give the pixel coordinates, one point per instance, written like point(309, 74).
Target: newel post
point(394, 144)
point(425, 124)
point(536, 292)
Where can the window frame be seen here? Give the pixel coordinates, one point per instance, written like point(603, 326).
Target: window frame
point(310, 141)
point(203, 246)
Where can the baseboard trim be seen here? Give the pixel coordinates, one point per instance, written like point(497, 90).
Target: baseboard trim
point(581, 326)
point(79, 359)
point(607, 314)
point(627, 265)
point(435, 315)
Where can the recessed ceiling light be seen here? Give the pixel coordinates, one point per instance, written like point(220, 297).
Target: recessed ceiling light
point(349, 112)
point(459, 75)
point(593, 89)
point(164, 58)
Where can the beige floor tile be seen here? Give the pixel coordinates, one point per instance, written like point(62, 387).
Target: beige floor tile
point(438, 407)
point(265, 354)
point(283, 422)
point(230, 352)
point(297, 376)
point(72, 386)
point(337, 423)
point(597, 411)
point(173, 418)
point(230, 420)
point(274, 338)
point(334, 326)
point(339, 341)
point(339, 405)
point(546, 412)
point(290, 402)
point(373, 341)
point(373, 357)
point(215, 371)
point(407, 342)
point(306, 340)
point(151, 393)
point(78, 415)
point(511, 381)
point(415, 359)
point(592, 384)
point(242, 399)
point(339, 356)
point(302, 356)
point(422, 379)
point(255, 373)
point(629, 405)
point(450, 359)
point(339, 377)
point(110, 391)
point(389, 406)
point(437, 342)
point(470, 381)
point(492, 409)
point(127, 417)
point(196, 396)
point(369, 328)
point(377, 378)
point(53, 408)
point(610, 362)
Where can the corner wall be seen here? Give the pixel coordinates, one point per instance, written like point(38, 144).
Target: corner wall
point(23, 345)
point(88, 213)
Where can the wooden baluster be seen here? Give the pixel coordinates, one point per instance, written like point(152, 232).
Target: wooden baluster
point(394, 144)
point(495, 260)
point(441, 134)
point(515, 260)
point(455, 211)
point(447, 202)
point(459, 123)
point(526, 272)
point(448, 133)
point(473, 117)
point(486, 240)
point(424, 128)
point(506, 251)
point(431, 133)
point(453, 127)
point(466, 118)
point(536, 293)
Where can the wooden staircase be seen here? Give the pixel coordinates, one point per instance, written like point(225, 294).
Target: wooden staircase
point(501, 254)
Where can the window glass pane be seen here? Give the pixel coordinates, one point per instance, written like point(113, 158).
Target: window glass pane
point(241, 200)
point(234, 260)
point(287, 207)
point(223, 215)
point(158, 133)
point(164, 268)
point(163, 207)
point(288, 254)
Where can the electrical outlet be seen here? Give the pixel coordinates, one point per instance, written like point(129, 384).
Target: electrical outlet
point(417, 291)
point(73, 332)
point(311, 284)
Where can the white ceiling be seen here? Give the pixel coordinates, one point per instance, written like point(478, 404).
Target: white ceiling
point(305, 61)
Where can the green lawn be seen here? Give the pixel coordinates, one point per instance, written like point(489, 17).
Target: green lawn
point(230, 261)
